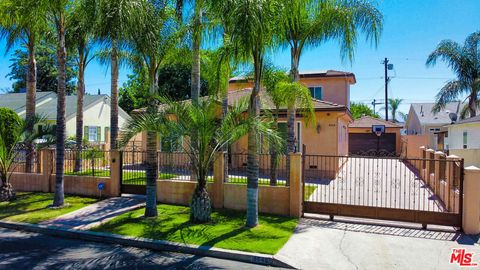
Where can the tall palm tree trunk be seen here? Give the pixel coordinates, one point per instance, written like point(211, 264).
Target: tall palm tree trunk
point(195, 86)
point(253, 158)
point(151, 162)
point(201, 206)
point(472, 102)
point(79, 118)
point(58, 199)
point(30, 102)
point(291, 111)
point(114, 97)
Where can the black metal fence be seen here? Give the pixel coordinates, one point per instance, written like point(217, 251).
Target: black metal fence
point(272, 171)
point(87, 162)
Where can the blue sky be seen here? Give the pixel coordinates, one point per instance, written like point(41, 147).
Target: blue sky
point(412, 29)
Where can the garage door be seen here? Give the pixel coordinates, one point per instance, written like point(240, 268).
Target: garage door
point(363, 143)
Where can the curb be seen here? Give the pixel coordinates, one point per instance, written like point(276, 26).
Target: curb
point(139, 242)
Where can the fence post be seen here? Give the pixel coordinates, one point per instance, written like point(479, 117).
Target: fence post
point(46, 163)
point(296, 185)
point(115, 173)
point(218, 179)
point(437, 171)
point(471, 200)
point(422, 164)
point(429, 166)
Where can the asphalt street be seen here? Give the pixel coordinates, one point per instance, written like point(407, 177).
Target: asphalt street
point(22, 250)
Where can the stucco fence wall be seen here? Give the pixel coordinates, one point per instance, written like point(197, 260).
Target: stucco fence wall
point(471, 157)
point(411, 145)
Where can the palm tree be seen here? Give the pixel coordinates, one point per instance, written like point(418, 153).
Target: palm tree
point(393, 105)
point(24, 21)
point(252, 32)
point(308, 23)
point(115, 21)
point(11, 138)
point(465, 63)
point(58, 9)
point(184, 119)
point(154, 37)
point(80, 37)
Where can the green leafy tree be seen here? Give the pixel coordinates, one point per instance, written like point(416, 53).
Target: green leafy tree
point(185, 119)
point(359, 109)
point(47, 70)
point(465, 63)
point(309, 23)
point(24, 22)
point(174, 82)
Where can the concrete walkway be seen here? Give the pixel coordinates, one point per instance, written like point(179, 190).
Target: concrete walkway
point(324, 244)
point(97, 213)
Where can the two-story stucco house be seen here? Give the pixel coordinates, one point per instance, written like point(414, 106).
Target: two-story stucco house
point(330, 92)
point(96, 112)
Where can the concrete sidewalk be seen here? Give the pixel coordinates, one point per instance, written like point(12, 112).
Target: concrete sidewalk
point(97, 213)
point(324, 244)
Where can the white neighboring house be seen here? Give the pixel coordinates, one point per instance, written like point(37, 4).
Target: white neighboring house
point(464, 140)
point(96, 112)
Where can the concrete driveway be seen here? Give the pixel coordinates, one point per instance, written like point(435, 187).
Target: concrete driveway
point(324, 244)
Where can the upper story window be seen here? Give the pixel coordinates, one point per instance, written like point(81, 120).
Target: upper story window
point(316, 92)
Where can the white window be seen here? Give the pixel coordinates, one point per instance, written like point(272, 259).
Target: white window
point(316, 92)
point(92, 134)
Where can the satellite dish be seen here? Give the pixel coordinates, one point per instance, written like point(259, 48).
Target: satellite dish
point(453, 117)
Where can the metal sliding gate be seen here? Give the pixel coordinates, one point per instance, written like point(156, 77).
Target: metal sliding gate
point(425, 191)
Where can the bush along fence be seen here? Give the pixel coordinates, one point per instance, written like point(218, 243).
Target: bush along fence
point(175, 183)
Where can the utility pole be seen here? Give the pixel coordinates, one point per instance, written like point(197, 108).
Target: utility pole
point(387, 67)
point(374, 103)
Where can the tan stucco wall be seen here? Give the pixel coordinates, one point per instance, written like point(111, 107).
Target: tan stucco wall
point(76, 185)
point(412, 144)
point(471, 156)
point(398, 140)
point(336, 90)
point(272, 200)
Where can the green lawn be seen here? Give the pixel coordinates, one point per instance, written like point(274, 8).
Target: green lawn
point(226, 230)
point(32, 207)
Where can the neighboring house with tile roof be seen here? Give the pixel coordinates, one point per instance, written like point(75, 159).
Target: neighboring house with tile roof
point(363, 140)
point(96, 112)
point(464, 140)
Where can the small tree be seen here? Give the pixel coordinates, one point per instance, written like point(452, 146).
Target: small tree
point(12, 135)
point(204, 121)
point(359, 109)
